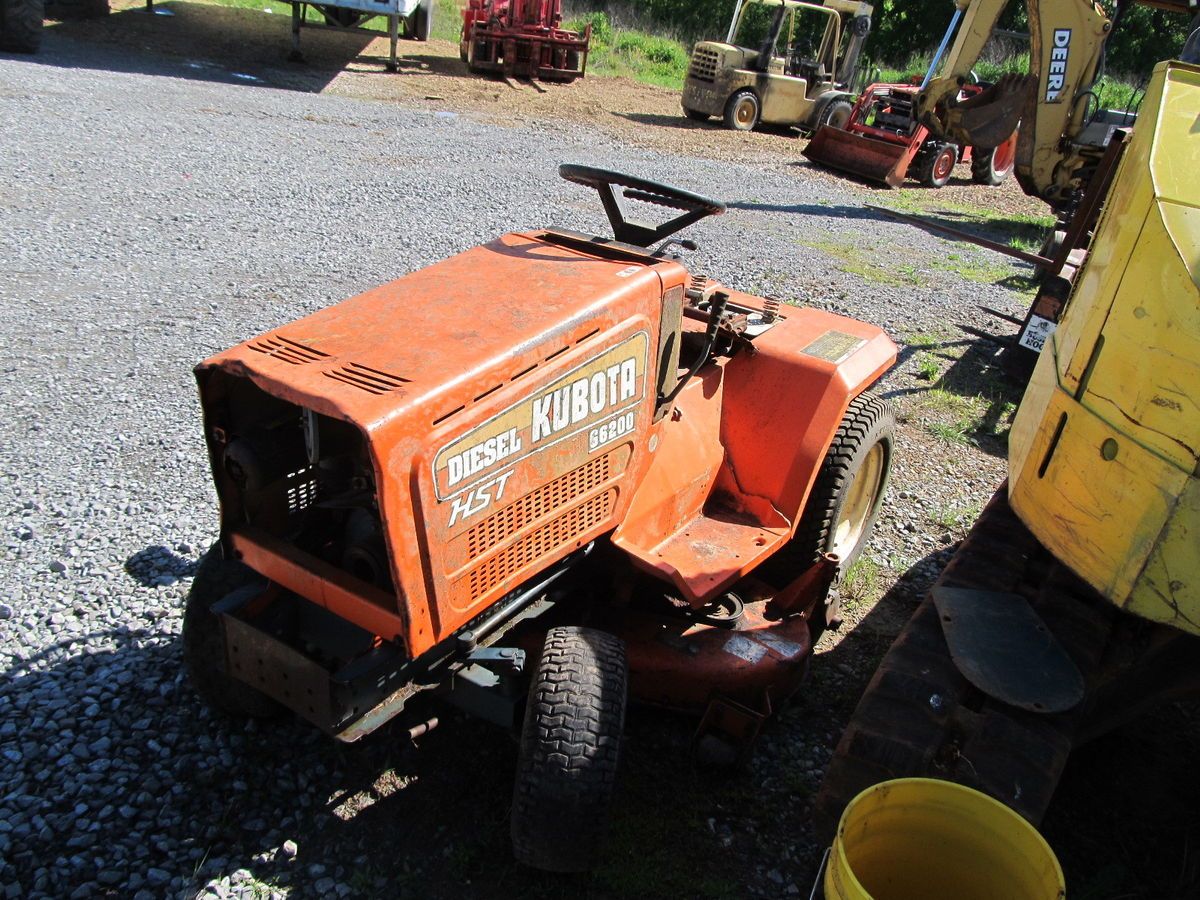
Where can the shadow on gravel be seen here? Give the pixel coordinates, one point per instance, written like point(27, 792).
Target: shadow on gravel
point(975, 374)
point(209, 43)
point(158, 565)
point(821, 211)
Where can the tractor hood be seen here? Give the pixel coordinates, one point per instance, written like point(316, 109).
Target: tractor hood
point(444, 336)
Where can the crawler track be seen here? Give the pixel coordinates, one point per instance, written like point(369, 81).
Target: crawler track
point(920, 717)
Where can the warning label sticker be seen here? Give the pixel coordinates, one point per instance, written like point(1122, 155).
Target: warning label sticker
point(1036, 333)
point(834, 346)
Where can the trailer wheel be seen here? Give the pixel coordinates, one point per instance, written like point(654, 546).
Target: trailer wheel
point(695, 115)
point(570, 747)
point(21, 25)
point(836, 114)
point(937, 165)
point(742, 110)
point(419, 25)
point(991, 167)
point(204, 645)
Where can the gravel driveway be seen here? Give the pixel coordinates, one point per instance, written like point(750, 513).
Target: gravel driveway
point(154, 211)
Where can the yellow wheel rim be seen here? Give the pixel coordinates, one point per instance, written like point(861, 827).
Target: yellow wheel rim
point(745, 112)
point(860, 501)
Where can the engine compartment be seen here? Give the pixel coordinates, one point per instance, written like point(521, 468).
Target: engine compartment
point(297, 475)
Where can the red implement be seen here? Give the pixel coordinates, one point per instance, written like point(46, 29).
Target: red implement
point(522, 38)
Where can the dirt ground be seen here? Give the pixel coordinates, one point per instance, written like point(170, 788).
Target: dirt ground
point(1125, 822)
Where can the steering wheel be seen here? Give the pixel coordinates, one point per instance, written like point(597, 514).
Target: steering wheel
point(632, 231)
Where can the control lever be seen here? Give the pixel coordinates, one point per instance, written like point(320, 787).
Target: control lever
point(716, 311)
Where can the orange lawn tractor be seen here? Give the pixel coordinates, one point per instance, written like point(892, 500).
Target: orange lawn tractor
point(536, 479)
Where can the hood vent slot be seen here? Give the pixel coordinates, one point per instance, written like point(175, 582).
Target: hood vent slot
point(373, 381)
point(281, 348)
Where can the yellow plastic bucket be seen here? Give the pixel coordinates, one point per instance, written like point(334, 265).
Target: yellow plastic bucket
point(923, 839)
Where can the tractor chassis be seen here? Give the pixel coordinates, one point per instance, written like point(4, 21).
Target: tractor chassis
point(730, 664)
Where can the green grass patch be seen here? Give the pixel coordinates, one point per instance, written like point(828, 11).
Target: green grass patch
point(954, 515)
point(861, 582)
point(644, 57)
point(855, 262)
point(928, 368)
point(963, 418)
point(973, 269)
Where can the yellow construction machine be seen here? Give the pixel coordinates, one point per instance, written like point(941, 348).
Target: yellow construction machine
point(1074, 602)
point(1062, 134)
point(782, 63)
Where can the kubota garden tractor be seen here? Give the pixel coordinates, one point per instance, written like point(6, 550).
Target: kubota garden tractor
point(522, 38)
point(782, 63)
point(553, 444)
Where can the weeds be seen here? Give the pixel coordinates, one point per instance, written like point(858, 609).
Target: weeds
point(972, 269)
point(861, 581)
point(927, 367)
point(649, 58)
point(855, 262)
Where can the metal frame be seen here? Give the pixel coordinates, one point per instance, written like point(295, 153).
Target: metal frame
point(394, 15)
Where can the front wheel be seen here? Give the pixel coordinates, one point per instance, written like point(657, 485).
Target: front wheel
point(570, 747)
point(937, 165)
point(204, 639)
point(741, 112)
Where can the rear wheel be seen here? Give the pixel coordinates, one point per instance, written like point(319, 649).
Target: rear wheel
point(204, 640)
point(342, 16)
point(846, 497)
point(21, 25)
point(695, 115)
point(742, 111)
point(991, 167)
point(937, 165)
point(570, 747)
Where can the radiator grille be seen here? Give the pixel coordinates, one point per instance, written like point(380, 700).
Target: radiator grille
point(704, 65)
point(279, 347)
point(559, 492)
point(529, 549)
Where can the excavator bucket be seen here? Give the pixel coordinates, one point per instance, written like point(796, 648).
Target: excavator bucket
point(867, 157)
point(989, 118)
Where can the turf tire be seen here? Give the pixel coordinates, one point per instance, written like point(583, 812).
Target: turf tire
point(204, 640)
point(570, 749)
point(836, 114)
